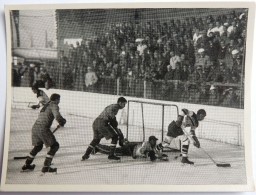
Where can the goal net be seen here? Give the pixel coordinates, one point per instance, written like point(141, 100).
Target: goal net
point(150, 118)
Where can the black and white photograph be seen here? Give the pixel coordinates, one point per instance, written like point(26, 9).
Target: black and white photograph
point(128, 97)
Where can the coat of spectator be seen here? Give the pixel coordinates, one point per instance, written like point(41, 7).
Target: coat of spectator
point(90, 79)
point(202, 59)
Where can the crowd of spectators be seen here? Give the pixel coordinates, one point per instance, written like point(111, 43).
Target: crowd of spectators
point(196, 51)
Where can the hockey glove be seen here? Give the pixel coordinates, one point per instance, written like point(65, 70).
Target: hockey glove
point(35, 106)
point(164, 157)
point(185, 111)
point(196, 142)
point(63, 122)
point(152, 155)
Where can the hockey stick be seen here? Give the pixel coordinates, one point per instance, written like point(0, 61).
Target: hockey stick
point(25, 157)
point(217, 164)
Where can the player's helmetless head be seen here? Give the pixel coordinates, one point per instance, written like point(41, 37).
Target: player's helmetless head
point(122, 102)
point(55, 98)
point(152, 140)
point(201, 114)
point(34, 89)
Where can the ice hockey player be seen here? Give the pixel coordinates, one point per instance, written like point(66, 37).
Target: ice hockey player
point(41, 134)
point(106, 125)
point(149, 150)
point(136, 150)
point(175, 129)
point(41, 96)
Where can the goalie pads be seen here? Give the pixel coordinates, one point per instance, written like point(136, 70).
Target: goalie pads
point(196, 142)
point(152, 155)
point(164, 157)
point(35, 106)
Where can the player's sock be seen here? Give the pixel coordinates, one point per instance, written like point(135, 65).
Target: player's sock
point(28, 163)
point(88, 152)
point(47, 164)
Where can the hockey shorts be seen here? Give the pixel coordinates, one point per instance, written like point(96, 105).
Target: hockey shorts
point(102, 129)
point(42, 136)
point(174, 130)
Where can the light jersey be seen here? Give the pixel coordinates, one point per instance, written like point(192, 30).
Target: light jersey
point(190, 120)
point(144, 148)
point(110, 112)
point(42, 97)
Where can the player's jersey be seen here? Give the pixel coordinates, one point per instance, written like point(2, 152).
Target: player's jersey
point(190, 120)
point(42, 97)
point(48, 113)
point(142, 149)
point(110, 112)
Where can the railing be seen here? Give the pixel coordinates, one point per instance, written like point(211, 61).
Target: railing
point(172, 90)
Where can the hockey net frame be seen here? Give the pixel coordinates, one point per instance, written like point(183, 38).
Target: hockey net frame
point(142, 126)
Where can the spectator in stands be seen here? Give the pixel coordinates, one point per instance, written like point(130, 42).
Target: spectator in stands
point(198, 75)
point(231, 27)
point(238, 63)
point(169, 74)
point(189, 52)
point(218, 28)
point(44, 79)
point(90, 79)
point(184, 74)
point(67, 77)
point(196, 36)
point(202, 59)
point(141, 47)
point(174, 59)
point(222, 50)
point(223, 74)
point(210, 29)
point(212, 50)
point(213, 96)
point(108, 68)
point(177, 72)
point(229, 98)
point(203, 95)
point(235, 34)
point(240, 45)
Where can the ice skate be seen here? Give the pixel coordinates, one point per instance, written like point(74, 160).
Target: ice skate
point(27, 167)
point(85, 157)
point(113, 157)
point(185, 161)
point(49, 170)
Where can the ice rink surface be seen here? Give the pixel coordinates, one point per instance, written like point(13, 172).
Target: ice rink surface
point(77, 134)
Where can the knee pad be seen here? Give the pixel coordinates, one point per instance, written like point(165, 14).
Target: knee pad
point(54, 149)
point(36, 149)
point(114, 139)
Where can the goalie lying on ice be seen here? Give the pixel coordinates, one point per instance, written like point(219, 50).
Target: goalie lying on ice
point(136, 150)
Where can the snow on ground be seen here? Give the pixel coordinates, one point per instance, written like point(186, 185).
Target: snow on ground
point(77, 134)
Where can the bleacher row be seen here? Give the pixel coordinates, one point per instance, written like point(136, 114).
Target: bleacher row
point(190, 59)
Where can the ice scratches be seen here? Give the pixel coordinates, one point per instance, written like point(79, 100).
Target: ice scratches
point(101, 164)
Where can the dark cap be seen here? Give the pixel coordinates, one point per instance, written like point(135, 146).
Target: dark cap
point(54, 97)
point(152, 137)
